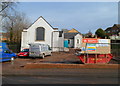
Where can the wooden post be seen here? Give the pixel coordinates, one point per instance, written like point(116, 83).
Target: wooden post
point(87, 58)
point(95, 36)
point(96, 58)
point(106, 58)
point(85, 53)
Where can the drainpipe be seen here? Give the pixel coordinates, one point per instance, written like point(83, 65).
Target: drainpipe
point(52, 41)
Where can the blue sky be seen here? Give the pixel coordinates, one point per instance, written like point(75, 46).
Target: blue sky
point(83, 16)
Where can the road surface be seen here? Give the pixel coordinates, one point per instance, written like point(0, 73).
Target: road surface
point(62, 76)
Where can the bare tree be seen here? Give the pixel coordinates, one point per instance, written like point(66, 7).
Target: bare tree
point(7, 8)
point(13, 22)
point(14, 26)
point(5, 5)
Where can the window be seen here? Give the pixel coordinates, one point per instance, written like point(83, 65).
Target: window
point(68, 41)
point(49, 48)
point(40, 34)
point(77, 41)
point(7, 51)
point(25, 50)
point(108, 31)
point(60, 33)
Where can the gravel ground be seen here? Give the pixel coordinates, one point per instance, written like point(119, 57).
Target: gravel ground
point(58, 57)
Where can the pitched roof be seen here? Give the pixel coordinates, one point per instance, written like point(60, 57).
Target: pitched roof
point(108, 28)
point(45, 21)
point(55, 28)
point(65, 30)
point(70, 35)
point(118, 25)
point(115, 25)
point(73, 31)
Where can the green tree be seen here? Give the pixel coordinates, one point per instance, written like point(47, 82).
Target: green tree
point(100, 33)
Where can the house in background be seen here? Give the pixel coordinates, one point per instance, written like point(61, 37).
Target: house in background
point(89, 35)
point(3, 36)
point(72, 38)
point(113, 32)
point(42, 32)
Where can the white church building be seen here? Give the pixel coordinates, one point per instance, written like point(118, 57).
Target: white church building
point(42, 32)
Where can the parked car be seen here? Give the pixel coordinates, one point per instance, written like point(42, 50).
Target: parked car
point(39, 50)
point(24, 53)
point(5, 53)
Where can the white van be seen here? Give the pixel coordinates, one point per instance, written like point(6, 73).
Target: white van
point(39, 50)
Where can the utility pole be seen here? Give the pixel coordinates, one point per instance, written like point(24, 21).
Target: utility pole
point(0, 22)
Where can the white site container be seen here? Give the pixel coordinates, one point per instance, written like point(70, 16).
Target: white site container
point(39, 50)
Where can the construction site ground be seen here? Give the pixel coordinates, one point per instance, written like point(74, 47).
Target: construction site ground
point(60, 68)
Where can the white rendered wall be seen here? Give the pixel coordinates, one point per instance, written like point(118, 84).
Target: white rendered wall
point(30, 36)
point(24, 40)
point(55, 41)
point(32, 32)
point(58, 42)
point(61, 42)
point(79, 37)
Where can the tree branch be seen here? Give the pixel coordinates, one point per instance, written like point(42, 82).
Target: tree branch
point(3, 8)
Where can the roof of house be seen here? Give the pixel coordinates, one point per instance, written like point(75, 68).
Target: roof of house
point(73, 31)
point(70, 35)
point(55, 28)
point(118, 25)
point(44, 20)
point(108, 28)
point(115, 25)
point(65, 30)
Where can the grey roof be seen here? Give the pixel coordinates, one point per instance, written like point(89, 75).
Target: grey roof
point(70, 35)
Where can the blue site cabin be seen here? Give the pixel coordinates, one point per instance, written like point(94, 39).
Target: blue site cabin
point(5, 53)
point(66, 43)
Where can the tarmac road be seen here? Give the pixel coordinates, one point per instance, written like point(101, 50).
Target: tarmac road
point(62, 76)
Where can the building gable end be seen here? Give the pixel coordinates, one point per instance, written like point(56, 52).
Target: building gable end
point(40, 20)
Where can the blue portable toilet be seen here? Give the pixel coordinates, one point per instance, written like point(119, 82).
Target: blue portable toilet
point(66, 43)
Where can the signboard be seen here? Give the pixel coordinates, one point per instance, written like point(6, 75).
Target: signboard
point(90, 40)
point(103, 43)
point(93, 45)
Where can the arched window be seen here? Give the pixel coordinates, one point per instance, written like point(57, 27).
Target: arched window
point(40, 34)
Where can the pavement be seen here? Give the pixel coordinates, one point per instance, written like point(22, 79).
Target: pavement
point(51, 65)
